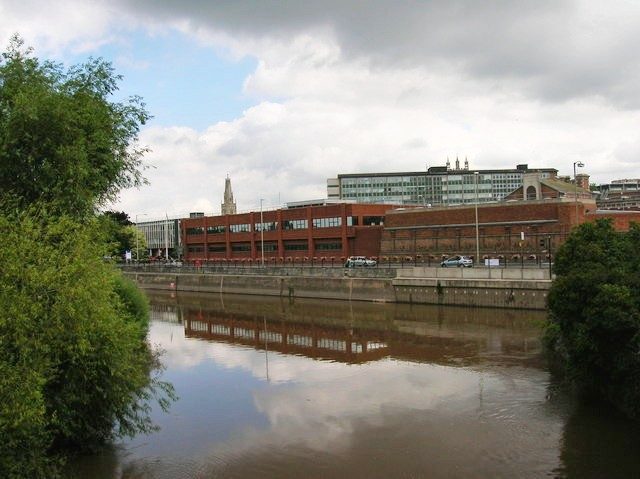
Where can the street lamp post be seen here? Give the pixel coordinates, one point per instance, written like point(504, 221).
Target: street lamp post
point(137, 241)
point(261, 234)
point(579, 164)
point(475, 174)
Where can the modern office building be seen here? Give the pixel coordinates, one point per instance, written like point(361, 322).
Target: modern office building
point(438, 185)
point(162, 236)
point(319, 229)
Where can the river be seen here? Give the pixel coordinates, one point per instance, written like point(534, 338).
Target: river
point(322, 389)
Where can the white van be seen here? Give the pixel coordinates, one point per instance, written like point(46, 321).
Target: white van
point(353, 261)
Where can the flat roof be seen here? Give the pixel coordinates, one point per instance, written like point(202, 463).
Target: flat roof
point(446, 172)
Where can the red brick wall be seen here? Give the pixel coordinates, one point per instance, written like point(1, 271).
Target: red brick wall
point(367, 241)
point(353, 240)
point(621, 219)
point(447, 231)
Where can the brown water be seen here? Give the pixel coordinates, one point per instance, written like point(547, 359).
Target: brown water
point(321, 389)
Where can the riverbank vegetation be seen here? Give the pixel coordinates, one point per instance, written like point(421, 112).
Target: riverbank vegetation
point(594, 304)
point(75, 367)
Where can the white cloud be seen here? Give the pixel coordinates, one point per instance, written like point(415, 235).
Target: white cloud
point(390, 87)
point(52, 27)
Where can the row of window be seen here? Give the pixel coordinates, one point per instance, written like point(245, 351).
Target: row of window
point(287, 225)
point(269, 247)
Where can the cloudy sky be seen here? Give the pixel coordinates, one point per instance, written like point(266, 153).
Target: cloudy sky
point(281, 95)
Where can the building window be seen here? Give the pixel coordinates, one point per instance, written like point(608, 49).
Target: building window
point(372, 220)
point(196, 248)
point(266, 226)
point(240, 228)
point(296, 246)
point(329, 246)
point(196, 230)
point(269, 247)
point(333, 222)
point(240, 247)
point(295, 225)
point(216, 229)
point(217, 248)
point(352, 221)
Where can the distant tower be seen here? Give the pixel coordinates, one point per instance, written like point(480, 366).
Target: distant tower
point(466, 163)
point(448, 164)
point(457, 163)
point(229, 206)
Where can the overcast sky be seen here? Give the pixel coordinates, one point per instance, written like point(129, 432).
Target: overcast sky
point(283, 95)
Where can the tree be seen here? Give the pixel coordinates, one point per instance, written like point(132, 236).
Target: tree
point(121, 234)
point(594, 308)
point(62, 140)
point(75, 367)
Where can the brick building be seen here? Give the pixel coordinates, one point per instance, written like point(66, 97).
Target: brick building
point(510, 230)
point(506, 230)
point(302, 230)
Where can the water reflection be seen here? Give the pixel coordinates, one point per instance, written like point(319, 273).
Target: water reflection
point(363, 332)
point(335, 389)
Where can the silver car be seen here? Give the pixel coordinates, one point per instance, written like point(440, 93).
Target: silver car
point(457, 261)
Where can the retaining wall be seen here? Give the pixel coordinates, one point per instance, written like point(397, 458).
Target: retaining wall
point(458, 287)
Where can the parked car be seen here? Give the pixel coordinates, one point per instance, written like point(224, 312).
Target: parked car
point(353, 261)
point(457, 261)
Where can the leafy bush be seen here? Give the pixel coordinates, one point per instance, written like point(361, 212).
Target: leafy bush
point(594, 305)
point(74, 362)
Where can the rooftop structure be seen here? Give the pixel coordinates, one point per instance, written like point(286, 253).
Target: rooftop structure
point(620, 195)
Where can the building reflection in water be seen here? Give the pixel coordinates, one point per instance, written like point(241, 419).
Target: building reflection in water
point(357, 333)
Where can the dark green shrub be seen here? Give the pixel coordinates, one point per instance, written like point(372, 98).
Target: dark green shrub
point(594, 304)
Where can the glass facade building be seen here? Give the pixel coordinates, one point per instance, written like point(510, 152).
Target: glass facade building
point(438, 185)
point(161, 234)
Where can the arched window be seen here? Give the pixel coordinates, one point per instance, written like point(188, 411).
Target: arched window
point(531, 193)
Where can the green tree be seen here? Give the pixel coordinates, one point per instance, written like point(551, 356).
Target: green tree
point(62, 140)
point(75, 367)
point(121, 234)
point(594, 308)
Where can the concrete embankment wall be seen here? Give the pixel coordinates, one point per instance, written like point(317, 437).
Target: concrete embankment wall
point(517, 289)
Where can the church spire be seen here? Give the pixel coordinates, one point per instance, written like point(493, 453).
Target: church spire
point(228, 207)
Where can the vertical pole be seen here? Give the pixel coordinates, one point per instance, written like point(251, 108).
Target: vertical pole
point(575, 184)
point(550, 255)
point(579, 164)
point(476, 174)
point(261, 235)
point(166, 236)
point(137, 242)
